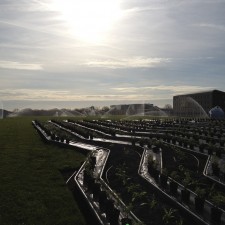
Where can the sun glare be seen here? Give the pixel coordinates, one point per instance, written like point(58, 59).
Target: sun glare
point(89, 20)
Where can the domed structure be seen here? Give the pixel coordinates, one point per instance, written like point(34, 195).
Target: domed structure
point(216, 113)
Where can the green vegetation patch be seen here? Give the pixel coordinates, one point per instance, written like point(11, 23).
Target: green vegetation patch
point(32, 189)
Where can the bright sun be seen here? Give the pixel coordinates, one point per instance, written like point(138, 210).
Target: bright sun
point(89, 20)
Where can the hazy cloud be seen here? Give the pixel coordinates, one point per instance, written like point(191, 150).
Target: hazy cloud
point(181, 89)
point(136, 62)
point(212, 26)
point(29, 94)
point(19, 66)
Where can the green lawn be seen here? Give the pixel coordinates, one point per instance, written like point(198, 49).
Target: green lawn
point(32, 188)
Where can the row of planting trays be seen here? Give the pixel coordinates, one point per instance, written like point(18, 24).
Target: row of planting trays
point(170, 182)
point(193, 202)
point(184, 138)
point(217, 164)
point(130, 139)
point(108, 208)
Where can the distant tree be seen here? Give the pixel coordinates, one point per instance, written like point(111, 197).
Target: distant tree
point(93, 107)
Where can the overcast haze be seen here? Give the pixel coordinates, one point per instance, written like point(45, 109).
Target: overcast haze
point(95, 50)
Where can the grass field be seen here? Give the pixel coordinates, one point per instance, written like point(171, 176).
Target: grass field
point(32, 188)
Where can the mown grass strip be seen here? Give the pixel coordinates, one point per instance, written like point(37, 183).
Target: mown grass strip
point(32, 189)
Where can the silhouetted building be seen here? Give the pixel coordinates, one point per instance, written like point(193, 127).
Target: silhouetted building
point(198, 104)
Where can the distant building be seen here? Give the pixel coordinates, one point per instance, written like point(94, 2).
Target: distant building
point(132, 109)
point(198, 104)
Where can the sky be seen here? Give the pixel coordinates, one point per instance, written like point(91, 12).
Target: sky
point(110, 50)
